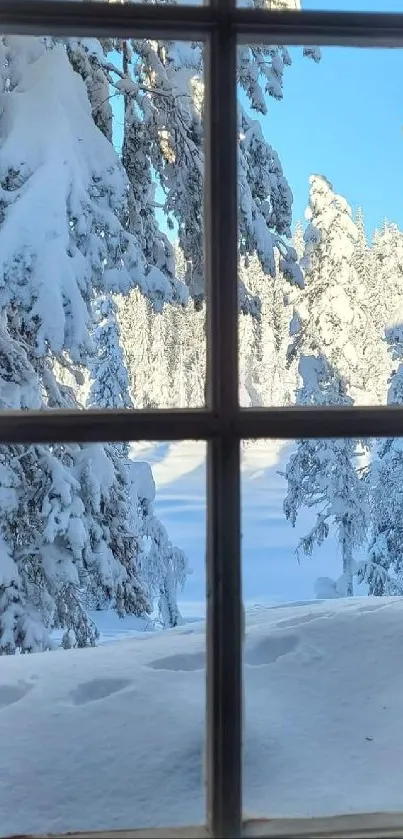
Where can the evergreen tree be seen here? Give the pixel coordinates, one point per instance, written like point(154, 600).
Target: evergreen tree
point(367, 265)
point(133, 315)
point(164, 567)
point(60, 504)
point(323, 475)
point(265, 378)
point(165, 353)
point(360, 257)
point(387, 274)
point(333, 309)
point(382, 569)
point(162, 86)
point(327, 342)
point(298, 239)
point(110, 382)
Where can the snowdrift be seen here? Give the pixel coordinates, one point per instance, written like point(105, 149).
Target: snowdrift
point(113, 737)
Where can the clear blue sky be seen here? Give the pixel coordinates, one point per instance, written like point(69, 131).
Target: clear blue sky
point(343, 118)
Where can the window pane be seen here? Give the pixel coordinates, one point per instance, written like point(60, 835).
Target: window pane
point(101, 253)
point(320, 226)
point(326, 5)
point(98, 543)
point(323, 612)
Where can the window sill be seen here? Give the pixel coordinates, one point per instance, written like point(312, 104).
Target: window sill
point(357, 826)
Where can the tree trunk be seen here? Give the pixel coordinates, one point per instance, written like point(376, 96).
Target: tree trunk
point(347, 554)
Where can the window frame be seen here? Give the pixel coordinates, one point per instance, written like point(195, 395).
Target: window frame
point(223, 423)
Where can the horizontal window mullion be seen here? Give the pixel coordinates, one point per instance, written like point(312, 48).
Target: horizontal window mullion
point(198, 424)
point(99, 19)
point(360, 29)
point(64, 17)
point(103, 426)
point(325, 422)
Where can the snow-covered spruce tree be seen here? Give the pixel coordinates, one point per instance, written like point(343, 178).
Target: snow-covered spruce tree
point(162, 86)
point(164, 567)
point(104, 472)
point(386, 260)
point(110, 382)
point(328, 343)
point(333, 311)
point(325, 476)
point(382, 569)
point(361, 252)
point(133, 314)
point(165, 353)
point(59, 171)
point(265, 378)
point(132, 537)
point(298, 239)
point(378, 271)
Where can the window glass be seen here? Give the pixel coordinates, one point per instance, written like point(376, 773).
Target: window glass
point(101, 305)
point(325, 5)
point(322, 582)
point(321, 241)
point(101, 229)
point(102, 717)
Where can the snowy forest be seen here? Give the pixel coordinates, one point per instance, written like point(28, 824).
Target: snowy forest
point(102, 306)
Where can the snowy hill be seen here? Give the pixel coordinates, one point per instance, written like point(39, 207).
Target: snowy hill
point(271, 572)
point(113, 736)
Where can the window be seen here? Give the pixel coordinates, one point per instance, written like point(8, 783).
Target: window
point(223, 424)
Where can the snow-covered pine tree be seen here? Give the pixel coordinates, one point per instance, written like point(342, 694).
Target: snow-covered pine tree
point(333, 310)
point(386, 258)
point(57, 501)
point(378, 293)
point(325, 476)
point(160, 394)
point(110, 382)
point(164, 567)
point(133, 313)
point(123, 536)
point(165, 353)
point(298, 239)
point(329, 342)
point(162, 85)
point(382, 569)
point(104, 472)
point(265, 378)
point(361, 255)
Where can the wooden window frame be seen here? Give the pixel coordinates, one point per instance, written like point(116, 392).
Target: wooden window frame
point(223, 424)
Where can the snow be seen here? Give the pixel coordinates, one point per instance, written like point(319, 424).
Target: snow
point(142, 480)
point(115, 734)
point(271, 571)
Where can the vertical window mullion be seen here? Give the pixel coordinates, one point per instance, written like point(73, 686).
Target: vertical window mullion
point(224, 650)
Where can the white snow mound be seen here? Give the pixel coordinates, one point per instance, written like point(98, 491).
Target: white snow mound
point(113, 737)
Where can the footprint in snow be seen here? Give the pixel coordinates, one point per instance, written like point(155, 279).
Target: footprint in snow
point(264, 652)
point(268, 650)
point(377, 607)
point(97, 689)
point(185, 662)
point(9, 694)
point(294, 622)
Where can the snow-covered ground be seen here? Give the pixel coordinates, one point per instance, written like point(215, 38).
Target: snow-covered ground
point(113, 737)
point(271, 572)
